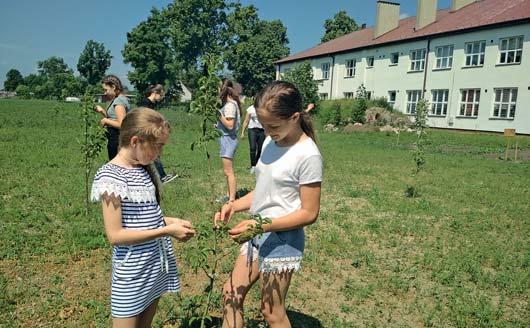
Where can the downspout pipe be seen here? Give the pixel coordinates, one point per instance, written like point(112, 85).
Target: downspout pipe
point(425, 69)
point(331, 82)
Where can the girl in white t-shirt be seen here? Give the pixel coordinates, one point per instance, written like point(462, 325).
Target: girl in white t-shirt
point(288, 179)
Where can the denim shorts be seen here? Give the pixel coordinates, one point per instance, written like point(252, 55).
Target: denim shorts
point(228, 146)
point(277, 251)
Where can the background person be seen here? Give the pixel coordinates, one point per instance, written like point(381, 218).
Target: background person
point(152, 96)
point(256, 136)
point(228, 124)
point(115, 112)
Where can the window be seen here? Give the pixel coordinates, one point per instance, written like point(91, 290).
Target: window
point(392, 98)
point(394, 58)
point(350, 67)
point(348, 95)
point(323, 96)
point(444, 57)
point(504, 105)
point(368, 95)
point(439, 102)
point(413, 96)
point(511, 50)
point(369, 61)
point(417, 60)
point(469, 102)
point(325, 71)
point(475, 53)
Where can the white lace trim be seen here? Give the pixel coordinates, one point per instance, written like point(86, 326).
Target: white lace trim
point(279, 264)
point(134, 194)
point(244, 251)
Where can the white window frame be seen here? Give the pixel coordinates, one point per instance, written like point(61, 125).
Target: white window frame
point(390, 101)
point(417, 60)
point(368, 59)
point(323, 96)
point(349, 95)
point(351, 65)
point(396, 54)
point(325, 71)
point(469, 102)
point(504, 98)
point(439, 102)
point(413, 96)
point(511, 50)
point(475, 53)
point(444, 57)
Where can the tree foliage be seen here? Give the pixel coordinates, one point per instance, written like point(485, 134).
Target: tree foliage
point(341, 24)
point(149, 52)
point(253, 47)
point(94, 62)
point(302, 77)
point(13, 80)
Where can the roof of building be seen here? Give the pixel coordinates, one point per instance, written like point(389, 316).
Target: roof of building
point(479, 14)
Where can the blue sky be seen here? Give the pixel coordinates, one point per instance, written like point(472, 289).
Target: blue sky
point(62, 27)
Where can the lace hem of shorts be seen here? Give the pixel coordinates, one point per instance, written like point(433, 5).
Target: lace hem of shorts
point(275, 264)
point(279, 264)
point(134, 194)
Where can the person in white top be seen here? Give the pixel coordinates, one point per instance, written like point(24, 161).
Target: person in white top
point(256, 136)
point(288, 184)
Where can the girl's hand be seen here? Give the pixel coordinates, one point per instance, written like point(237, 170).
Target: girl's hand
point(103, 121)
point(98, 109)
point(241, 228)
point(180, 229)
point(224, 215)
point(171, 220)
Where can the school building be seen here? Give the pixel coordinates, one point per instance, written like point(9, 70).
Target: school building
point(470, 61)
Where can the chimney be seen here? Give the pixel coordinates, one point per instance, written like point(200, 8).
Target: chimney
point(457, 4)
point(387, 17)
point(426, 13)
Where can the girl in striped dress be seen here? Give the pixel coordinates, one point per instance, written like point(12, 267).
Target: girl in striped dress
point(143, 262)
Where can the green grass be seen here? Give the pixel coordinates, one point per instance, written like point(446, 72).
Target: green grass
point(457, 256)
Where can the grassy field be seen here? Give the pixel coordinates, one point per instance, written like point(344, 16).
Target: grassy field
point(457, 256)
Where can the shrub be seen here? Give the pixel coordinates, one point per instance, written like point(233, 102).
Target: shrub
point(22, 91)
point(381, 102)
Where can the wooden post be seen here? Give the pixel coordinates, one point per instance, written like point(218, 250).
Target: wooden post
point(508, 135)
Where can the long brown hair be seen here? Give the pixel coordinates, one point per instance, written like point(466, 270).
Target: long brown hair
point(149, 126)
point(228, 89)
point(282, 99)
point(113, 81)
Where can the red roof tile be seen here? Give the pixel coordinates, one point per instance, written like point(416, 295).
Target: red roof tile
point(479, 14)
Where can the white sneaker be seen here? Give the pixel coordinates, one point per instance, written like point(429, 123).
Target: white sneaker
point(252, 170)
point(168, 178)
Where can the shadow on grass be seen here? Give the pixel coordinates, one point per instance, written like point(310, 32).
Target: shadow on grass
point(298, 320)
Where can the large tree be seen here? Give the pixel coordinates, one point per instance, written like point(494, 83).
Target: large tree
point(93, 62)
point(253, 47)
point(339, 25)
point(13, 80)
point(301, 75)
point(53, 66)
point(196, 27)
point(55, 76)
point(149, 52)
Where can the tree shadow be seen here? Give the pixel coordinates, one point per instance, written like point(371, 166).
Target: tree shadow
point(298, 320)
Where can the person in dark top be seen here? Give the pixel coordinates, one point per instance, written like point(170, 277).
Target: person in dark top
point(154, 95)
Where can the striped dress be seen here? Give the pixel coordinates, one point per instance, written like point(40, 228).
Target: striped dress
point(141, 272)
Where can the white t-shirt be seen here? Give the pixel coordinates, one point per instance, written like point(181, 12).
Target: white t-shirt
point(279, 174)
point(253, 123)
